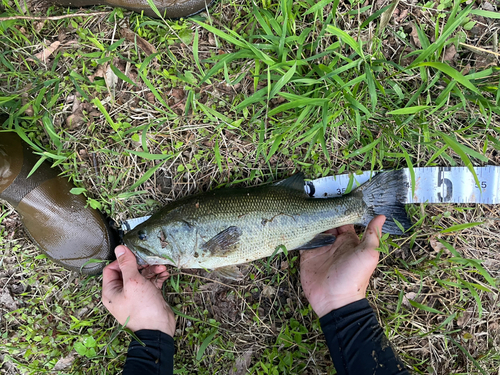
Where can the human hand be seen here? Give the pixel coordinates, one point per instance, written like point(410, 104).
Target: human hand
point(127, 293)
point(335, 275)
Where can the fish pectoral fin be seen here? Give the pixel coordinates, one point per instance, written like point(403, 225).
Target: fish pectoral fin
point(320, 240)
point(223, 242)
point(229, 272)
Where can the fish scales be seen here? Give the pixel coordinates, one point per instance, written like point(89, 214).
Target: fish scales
point(234, 226)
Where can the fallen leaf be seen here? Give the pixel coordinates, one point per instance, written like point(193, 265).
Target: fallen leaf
point(268, 291)
point(450, 53)
point(25, 100)
point(284, 265)
point(100, 72)
point(111, 80)
point(386, 16)
point(7, 301)
point(402, 16)
point(74, 121)
point(435, 244)
point(150, 97)
point(242, 363)
point(178, 94)
point(211, 39)
point(408, 296)
point(488, 6)
point(414, 36)
point(64, 362)
point(45, 54)
point(143, 44)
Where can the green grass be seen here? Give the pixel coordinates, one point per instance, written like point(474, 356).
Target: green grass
point(250, 94)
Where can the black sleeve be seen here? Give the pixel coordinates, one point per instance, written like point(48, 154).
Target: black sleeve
point(357, 343)
point(157, 357)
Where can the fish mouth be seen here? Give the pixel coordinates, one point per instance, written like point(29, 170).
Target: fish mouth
point(142, 258)
point(136, 250)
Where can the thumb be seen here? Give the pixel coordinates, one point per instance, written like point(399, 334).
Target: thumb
point(373, 232)
point(127, 262)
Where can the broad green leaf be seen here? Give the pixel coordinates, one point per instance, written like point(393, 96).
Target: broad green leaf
point(77, 191)
point(204, 345)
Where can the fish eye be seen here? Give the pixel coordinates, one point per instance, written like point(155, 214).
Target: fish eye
point(142, 235)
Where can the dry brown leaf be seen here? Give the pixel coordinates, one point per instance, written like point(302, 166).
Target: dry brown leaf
point(7, 301)
point(25, 100)
point(450, 53)
point(64, 362)
point(111, 80)
point(39, 26)
point(487, 6)
point(143, 44)
point(402, 16)
point(100, 72)
point(150, 97)
point(435, 244)
point(242, 363)
point(268, 291)
point(45, 54)
point(463, 319)
point(414, 36)
point(386, 16)
point(178, 94)
point(74, 121)
point(211, 39)
point(407, 297)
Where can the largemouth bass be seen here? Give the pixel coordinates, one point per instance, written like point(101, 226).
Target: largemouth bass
point(222, 228)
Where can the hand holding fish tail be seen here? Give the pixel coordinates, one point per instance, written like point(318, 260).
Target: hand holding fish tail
point(336, 275)
point(128, 294)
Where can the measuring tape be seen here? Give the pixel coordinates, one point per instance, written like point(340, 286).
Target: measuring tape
point(432, 185)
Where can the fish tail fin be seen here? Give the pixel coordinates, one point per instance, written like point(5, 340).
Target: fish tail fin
point(383, 195)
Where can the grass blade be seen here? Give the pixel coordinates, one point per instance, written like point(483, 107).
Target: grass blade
point(346, 38)
point(365, 149)
point(453, 73)
point(409, 110)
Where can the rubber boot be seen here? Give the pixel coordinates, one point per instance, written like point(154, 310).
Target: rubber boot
point(58, 222)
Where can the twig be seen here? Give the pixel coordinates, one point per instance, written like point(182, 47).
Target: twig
point(479, 49)
point(54, 18)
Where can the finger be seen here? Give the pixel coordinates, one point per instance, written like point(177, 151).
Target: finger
point(161, 279)
point(111, 280)
point(349, 228)
point(152, 271)
point(127, 262)
point(371, 238)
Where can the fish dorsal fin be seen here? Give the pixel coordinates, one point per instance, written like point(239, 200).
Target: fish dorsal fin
point(319, 240)
point(296, 182)
point(229, 272)
point(223, 242)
